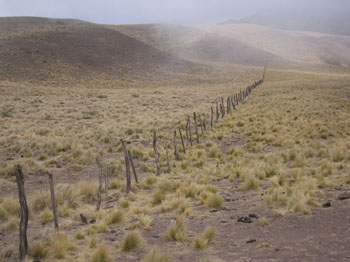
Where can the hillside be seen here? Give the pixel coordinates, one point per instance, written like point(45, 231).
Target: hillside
point(245, 44)
point(44, 49)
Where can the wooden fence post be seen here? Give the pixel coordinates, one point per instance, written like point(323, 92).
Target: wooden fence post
point(133, 167)
point(127, 167)
point(182, 141)
point(23, 244)
point(217, 112)
point(99, 164)
point(195, 126)
point(189, 129)
point(53, 200)
point(107, 183)
point(167, 155)
point(176, 152)
point(212, 115)
point(156, 152)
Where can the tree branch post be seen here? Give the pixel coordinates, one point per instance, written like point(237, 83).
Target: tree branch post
point(23, 244)
point(133, 167)
point(156, 152)
point(99, 164)
point(127, 167)
point(53, 200)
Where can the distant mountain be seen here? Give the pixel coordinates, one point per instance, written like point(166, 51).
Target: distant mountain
point(331, 20)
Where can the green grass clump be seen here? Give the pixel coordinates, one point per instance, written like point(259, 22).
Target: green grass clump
point(205, 239)
point(46, 216)
point(79, 235)
point(131, 241)
point(124, 203)
point(38, 251)
point(176, 232)
point(250, 183)
point(3, 214)
point(101, 254)
point(116, 217)
point(214, 201)
point(156, 255)
point(12, 206)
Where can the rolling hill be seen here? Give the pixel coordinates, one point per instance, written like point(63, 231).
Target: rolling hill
point(40, 49)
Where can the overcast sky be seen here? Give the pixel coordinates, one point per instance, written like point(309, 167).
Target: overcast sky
point(151, 11)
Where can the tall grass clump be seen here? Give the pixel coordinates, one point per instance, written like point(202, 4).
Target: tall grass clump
point(156, 255)
point(176, 232)
point(131, 241)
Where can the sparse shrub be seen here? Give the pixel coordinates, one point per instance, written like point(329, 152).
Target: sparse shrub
point(131, 241)
point(115, 184)
point(3, 214)
point(38, 250)
point(145, 221)
point(101, 254)
point(157, 197)
point(250, 183)
point(149, 181)
point(155, 255)
point(88, 191)
point(79, 235)
point(60, 244)
point(205, 239)
point(92, 242)
point(214, 201)
point(176, 232)
point(116, 217)
point(12, 206)
point(124, 203)
point(46, 216)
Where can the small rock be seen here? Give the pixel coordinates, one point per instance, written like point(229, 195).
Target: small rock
point(92, 221)
point(155, 236)
point(213, 210)
point(112, 239)
point(223, 221)
point(113, 231)
point(254, 216)
point(344, 196)
point(327, 204)
point(251, 241)
point(245, 220)
point(233, 244)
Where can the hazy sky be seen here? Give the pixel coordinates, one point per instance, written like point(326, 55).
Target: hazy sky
point(152, 11)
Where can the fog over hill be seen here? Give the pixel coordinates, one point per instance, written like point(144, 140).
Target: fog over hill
point(332, 17)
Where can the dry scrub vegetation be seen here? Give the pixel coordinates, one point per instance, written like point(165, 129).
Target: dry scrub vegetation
point(289, 142)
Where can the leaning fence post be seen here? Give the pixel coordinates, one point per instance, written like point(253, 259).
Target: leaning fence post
point(53, 200)
point(167, 155)
point(182, 141)
point(189, 129)
point(156, 152)
point(176, 153)
point(127, 167)
point(98, 162)
point(195, 126)
point(23, 244)
point(133, 167)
